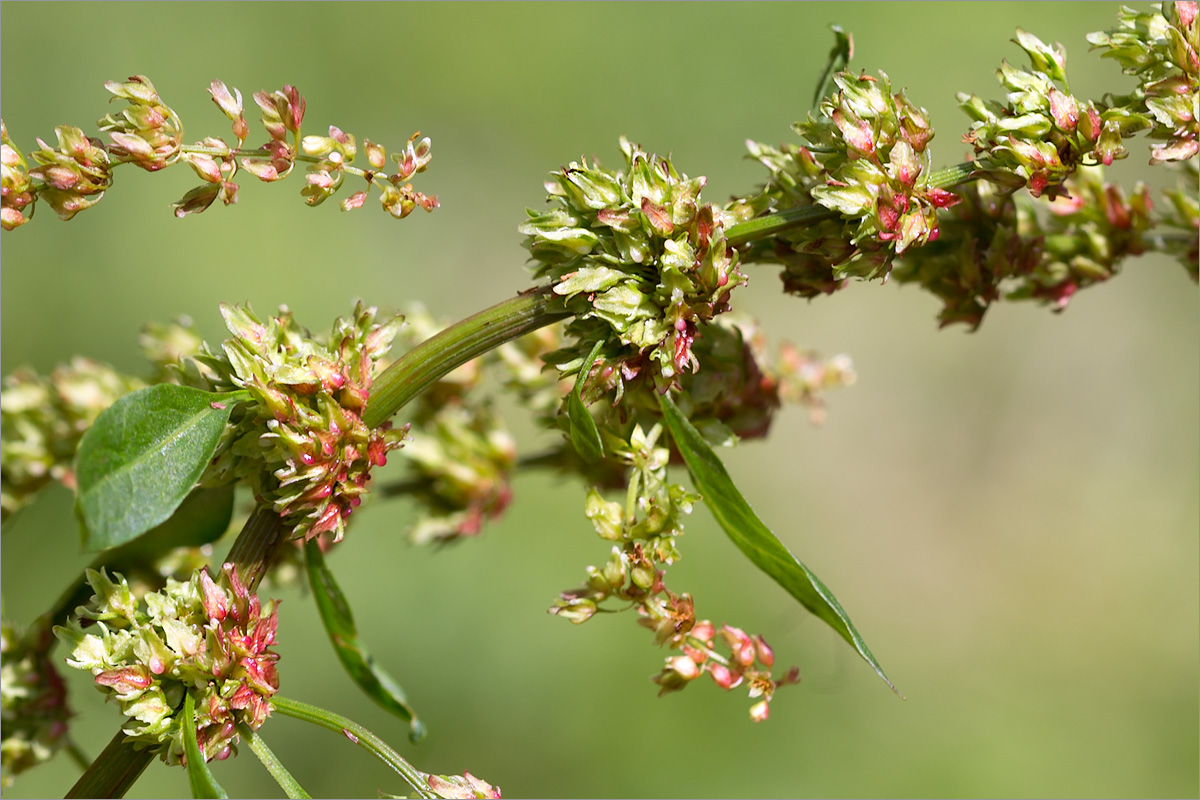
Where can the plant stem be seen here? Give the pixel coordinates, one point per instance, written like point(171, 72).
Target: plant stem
point(420, 367)
point(255, 546)
point(357, 734)
point(113, 771)
point(284, 778)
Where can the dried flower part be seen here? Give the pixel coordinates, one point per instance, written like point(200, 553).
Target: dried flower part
point(42, 420)
point(33, 706)
point(148, 132)
point(1159, 46)
point(301, 444)
point(17, 193)
point(74, 175)
point(468, 787)
point(637, 259)
point(210, 638)
point(1000, 246)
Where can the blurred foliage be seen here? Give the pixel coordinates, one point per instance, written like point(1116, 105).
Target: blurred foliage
point(1009, 516)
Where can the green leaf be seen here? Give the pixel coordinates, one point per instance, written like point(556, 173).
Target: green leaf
point(142, 457)
point(584, 434)
point(199, 775)
point(359, 663)
point(754, 538)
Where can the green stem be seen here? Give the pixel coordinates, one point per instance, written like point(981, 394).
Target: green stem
point(420, 367)
point(357, 734)
point(224, 152)
point(113, 771)
point(274, 766)
point(255, 546)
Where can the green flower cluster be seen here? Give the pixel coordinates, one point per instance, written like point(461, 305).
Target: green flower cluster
point(204, 637)
point(637, 259)
point(33, 706)
point(1159, 46)
point(1043, 133)
point(1000, 245)
point(42, 420)
point(866, 158)
point(301, 443)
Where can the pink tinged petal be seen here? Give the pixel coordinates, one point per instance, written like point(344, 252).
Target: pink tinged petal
point(766, 656)
point(126, 680)
point(760, 711)
point(723, 677)
point(685, 667)
point(857, 133)
point(704, 631)
point(482, 788)
point(216, 603)
point(1064, 110)
point(354, 201)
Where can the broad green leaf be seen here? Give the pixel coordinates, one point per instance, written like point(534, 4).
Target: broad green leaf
point(142, 457)
point(199, 775)
point(584, 434)
point(753, 537)
point(359, 663)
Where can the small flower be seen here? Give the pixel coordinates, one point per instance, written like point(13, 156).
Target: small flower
point(16, 190)
point(468, 787)
point(75, 174)
point(231, 105)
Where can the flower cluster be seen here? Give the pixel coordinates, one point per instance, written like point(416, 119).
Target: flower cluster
point(1043, 134)
point(301, 443)
point(865, 157)
point(1003, 247)
point(1159, 46)
point(636, 259)
point(33, 706)
point(148, 132)
point(204, 637)
point(644, 531)
point(74, 175)
point(460, 453)
point(42, 420)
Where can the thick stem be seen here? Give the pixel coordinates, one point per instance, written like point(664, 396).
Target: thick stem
point(112, 773)
point(420, 367)
point(255, 546)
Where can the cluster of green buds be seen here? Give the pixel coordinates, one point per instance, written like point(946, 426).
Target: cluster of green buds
point(637, 260)
point(1043, 133)
point(866, 158)
point(301, 442)
point(1159, 46)
point(71, 177)
point(204, 637)
point(42, 420)
point(998, 245)
point(148, 132)
point(33, 706)
point(460, 454)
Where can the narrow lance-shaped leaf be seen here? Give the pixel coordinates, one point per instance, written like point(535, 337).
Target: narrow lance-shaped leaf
point(753, 537)
point(359, 663)
point(142, 457)
point(584, 434)
point(199, 775)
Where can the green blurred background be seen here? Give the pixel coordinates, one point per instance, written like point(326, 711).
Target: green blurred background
point(1010, 516)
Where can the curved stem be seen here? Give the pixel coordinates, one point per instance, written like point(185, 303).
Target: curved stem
point(420, 367)
point(357, 734)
